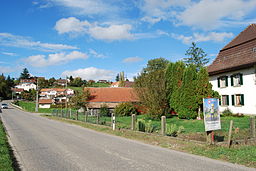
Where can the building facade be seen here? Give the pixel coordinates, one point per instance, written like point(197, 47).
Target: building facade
point(233, 73)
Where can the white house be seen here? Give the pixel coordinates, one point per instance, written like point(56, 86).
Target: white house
point(26, 86)
point(233, 73)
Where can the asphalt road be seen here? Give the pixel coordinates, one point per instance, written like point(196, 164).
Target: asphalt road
point(45, 145)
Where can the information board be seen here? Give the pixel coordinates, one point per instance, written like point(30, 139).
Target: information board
point(211, 114)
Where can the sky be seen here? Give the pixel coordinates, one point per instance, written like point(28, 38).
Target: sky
point(96, 39)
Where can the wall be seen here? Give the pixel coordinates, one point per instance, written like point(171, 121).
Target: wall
point(45, 106)
point(248, 89)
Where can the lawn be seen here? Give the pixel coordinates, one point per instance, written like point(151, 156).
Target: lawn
point(30, 107)
point(6, 162)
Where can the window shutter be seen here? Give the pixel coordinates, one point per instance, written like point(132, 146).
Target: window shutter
point(218, 82)
point(226, 80)
point(220, 101)
point(233, 100)
point(232, 81)
point(241, 79)
point(242, 99)
point(228, 100)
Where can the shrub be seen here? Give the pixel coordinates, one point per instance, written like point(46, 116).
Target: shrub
point(104, 110)
point(186, 113)
point(173, 130)
point(227, 112)
point(141, 125)
point(125, 109)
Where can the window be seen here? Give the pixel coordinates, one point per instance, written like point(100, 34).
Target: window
point(238, 100)
point(254, 49)
point(223, 81)
point(236, 80)
point(224, 100)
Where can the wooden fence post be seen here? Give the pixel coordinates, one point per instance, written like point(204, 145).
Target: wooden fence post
point(163, 125)
point(98, 117)
point(133, 122)
point(252, 126)
point(85, 116)
point(230, 133)
point(113, 121)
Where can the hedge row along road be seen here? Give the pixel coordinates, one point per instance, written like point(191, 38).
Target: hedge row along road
point(43, 144)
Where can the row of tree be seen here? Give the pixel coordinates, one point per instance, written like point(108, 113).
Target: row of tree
point(164, 87)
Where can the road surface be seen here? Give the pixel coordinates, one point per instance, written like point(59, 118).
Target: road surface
point(45, 145)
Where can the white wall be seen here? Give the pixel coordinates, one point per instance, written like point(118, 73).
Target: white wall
point(45, 106)
point(248, 89)
point(26, 87)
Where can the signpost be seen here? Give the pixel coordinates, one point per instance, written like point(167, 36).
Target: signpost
point(211, 117)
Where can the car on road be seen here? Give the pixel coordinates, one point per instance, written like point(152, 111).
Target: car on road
point(4, 106)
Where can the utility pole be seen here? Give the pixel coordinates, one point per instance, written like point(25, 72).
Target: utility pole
point(37, 89)
point(66, 93)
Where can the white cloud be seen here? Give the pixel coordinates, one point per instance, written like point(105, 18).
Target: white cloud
point(6, 69)
point(107, 32)
point(9, 53)
point(87, 7)
point(210, 14)
point(95, 54)
point(90, 73)
point(71, 25)
point(7, 39)
point(132, 59)
point(200, 37)
point(54, 59)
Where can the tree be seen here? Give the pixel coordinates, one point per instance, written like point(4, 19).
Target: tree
point(125, 109)
point(43, 83)
point(5, 87)
point(79, 100)
point(29, 95)
point(77, 82)
point(51, 81)
point(117, 77)
point(186, 96)
point(25, 74)
point(196, 56)
point(151, 89)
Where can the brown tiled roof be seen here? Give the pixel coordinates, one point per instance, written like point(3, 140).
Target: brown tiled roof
point(53, 89)
point(126, 83)
point(45, 101)
point(109, 94)
point(237, 54)
point(17, 89)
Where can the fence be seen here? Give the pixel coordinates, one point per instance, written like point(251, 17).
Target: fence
point(242, 126)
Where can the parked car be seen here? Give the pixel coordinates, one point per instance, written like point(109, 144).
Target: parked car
point(4, 106)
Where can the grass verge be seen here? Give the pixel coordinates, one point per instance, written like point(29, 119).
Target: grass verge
point(7, 159)
point(245, 155)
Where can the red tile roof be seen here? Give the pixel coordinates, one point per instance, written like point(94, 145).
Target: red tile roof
point(112, 94)
point(52, 89)
point(237, 54)
point(45, 101)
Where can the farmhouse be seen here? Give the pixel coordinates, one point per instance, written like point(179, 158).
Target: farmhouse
point(110, 96)
point(233, 73)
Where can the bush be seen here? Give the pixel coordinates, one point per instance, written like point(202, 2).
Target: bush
point(125, 109)
point(187, 114)
point(227, 112)
point(141, 125)
point(173, 130)
point(104, 110)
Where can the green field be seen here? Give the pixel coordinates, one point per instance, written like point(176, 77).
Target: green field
point(6, 162)
point(30, 107)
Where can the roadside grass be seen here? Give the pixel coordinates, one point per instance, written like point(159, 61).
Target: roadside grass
point(6, 162)
point(245, 155)
point(30, 107)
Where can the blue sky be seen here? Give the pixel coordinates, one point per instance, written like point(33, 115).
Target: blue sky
point(96, 39)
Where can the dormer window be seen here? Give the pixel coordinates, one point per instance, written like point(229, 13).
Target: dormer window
point(236, 80)
point(223, 81)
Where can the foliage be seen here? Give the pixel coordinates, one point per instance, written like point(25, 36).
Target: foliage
point(149, 127)
point(104, 110)
point(76, 82)
point(227, 112)
point(43, 83)
point(174, 130)
point(29, 95)
point(117, 77)
point(25, 74)
point(196, 56)
point(79, 100)
point(186, 96)
point(125, 109)
point(6, 159)
point(141, 125)
point(5, 87)
point(151, 89)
